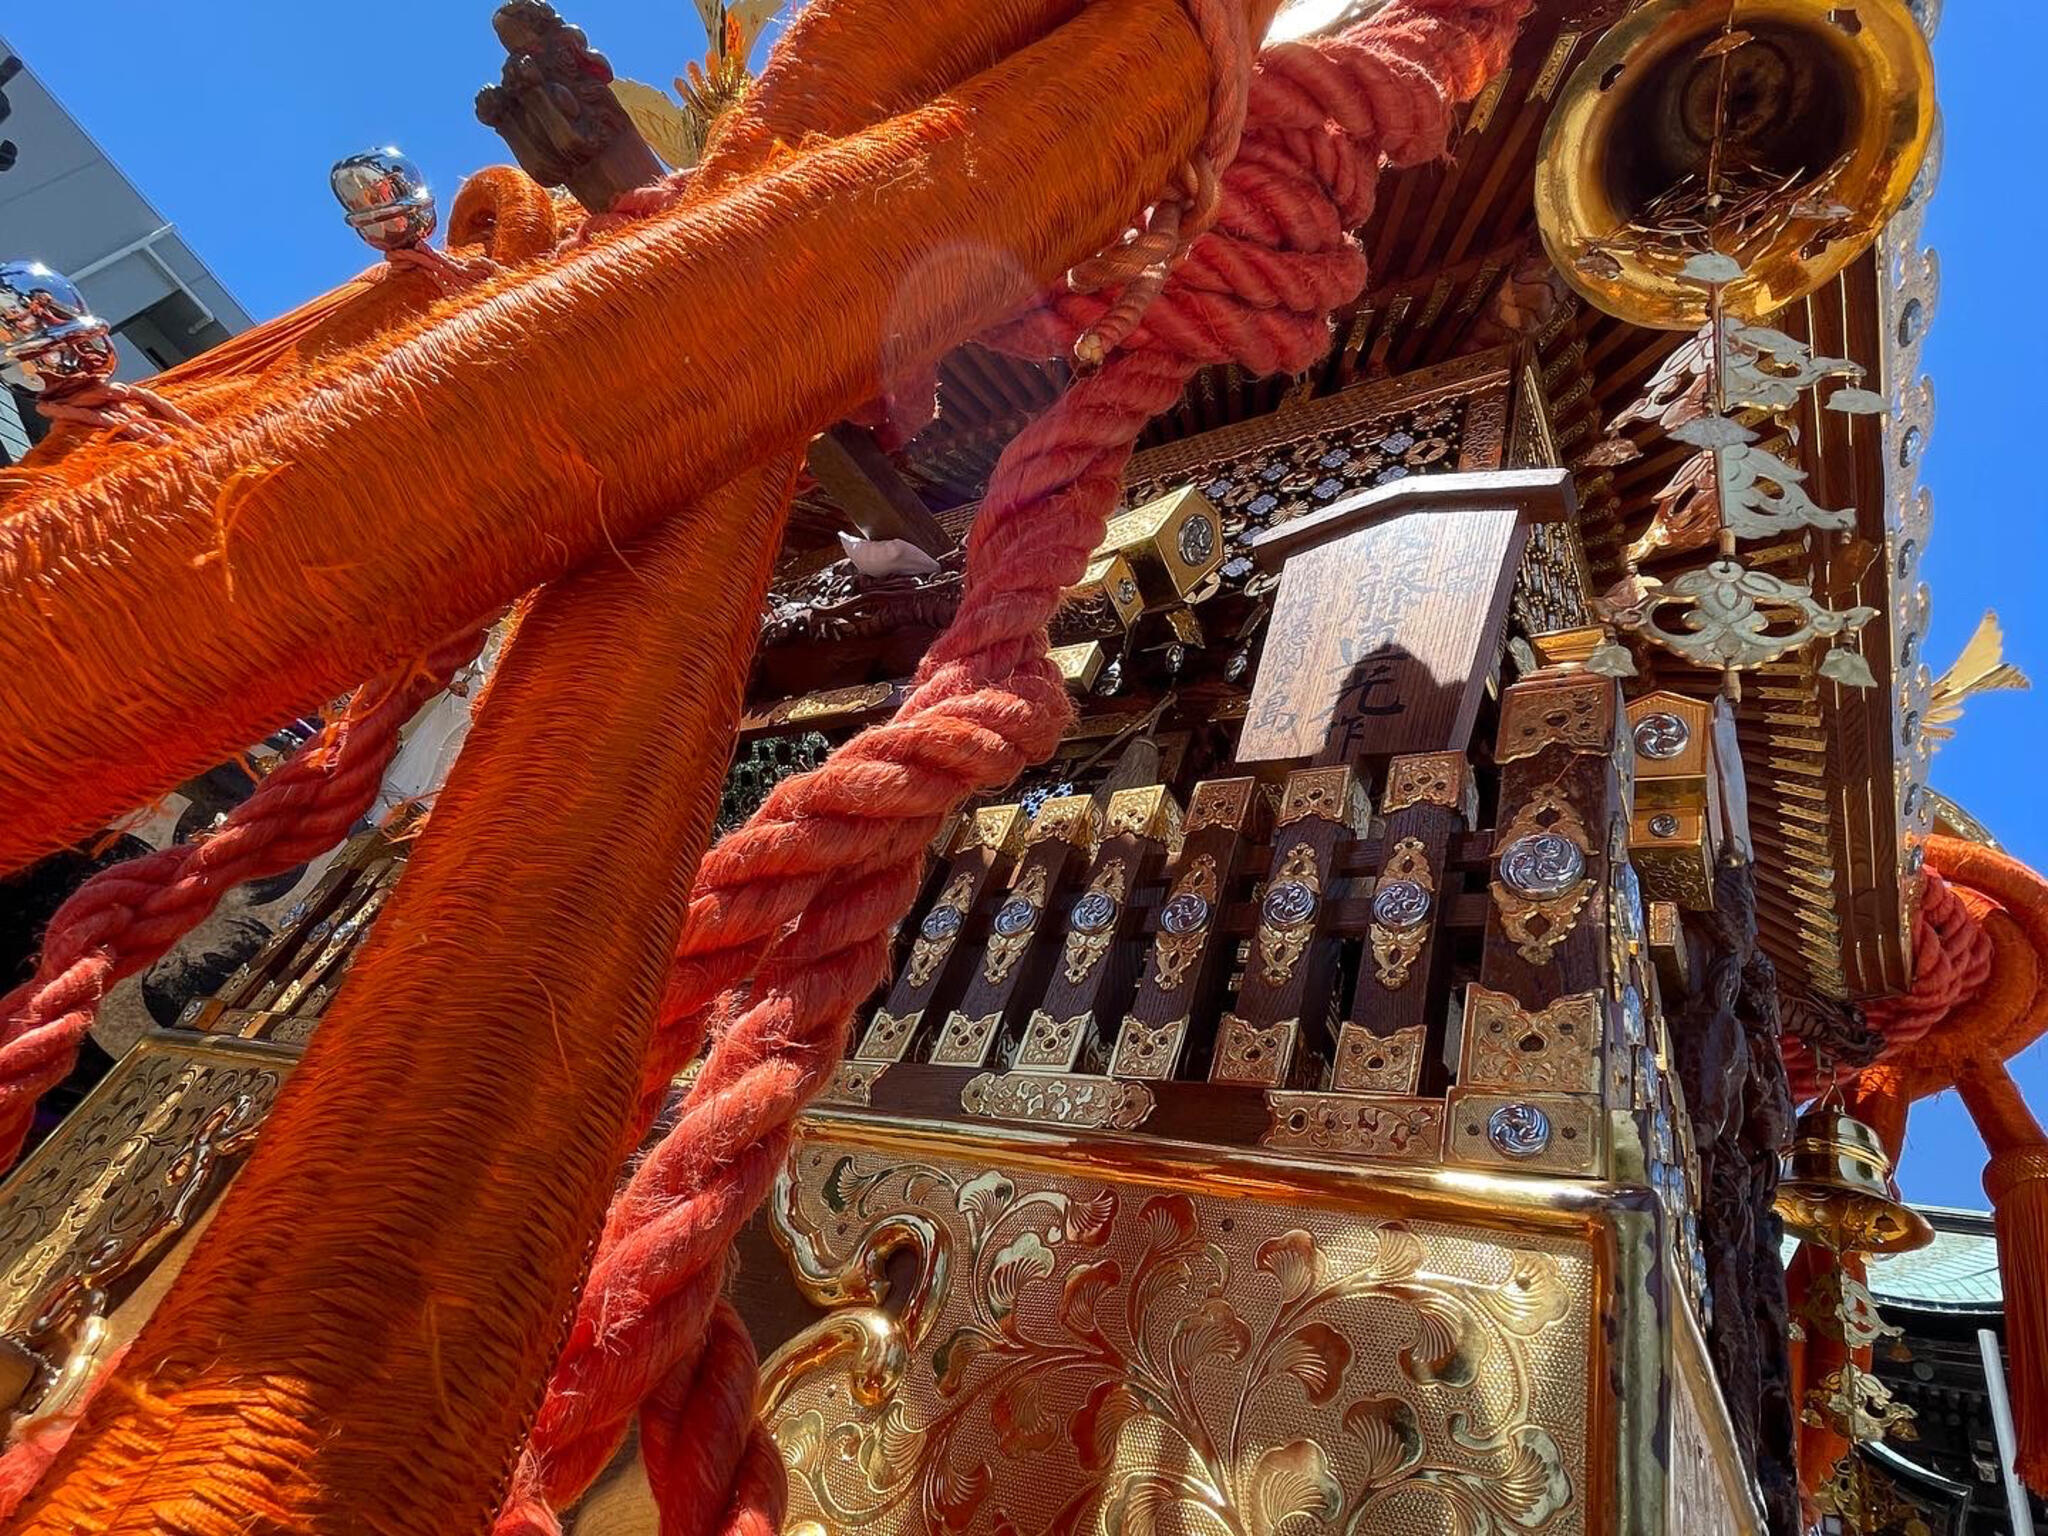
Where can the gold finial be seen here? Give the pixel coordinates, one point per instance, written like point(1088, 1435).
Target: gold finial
point(1981, 668)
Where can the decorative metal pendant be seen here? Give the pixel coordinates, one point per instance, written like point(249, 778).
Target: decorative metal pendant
point(1015, 921)
point(1184, 922)
point(1401, 907)
point(1288, 915)
point(941, 925)
point(1093, 920)
point(1542, 884)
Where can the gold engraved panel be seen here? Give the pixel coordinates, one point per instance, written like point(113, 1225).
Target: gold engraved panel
point(1147, 1052)
point(107, 1173)
point(1391, 1128)
point(1085, 1352)
point(1578, 715)
point(888, 1035)
point(1396, 946)
point(1549, 1050)
point(964, 1042)
point(1069, 819)
point(1247, 1053)
point(852, 1083)
point(1221, 803)
point(1708, 1491)
point(1328, 794)
point(1000, 827)
point(1370, 1063)
point(1148, 810)
point(1058, 1099)
point(1557, 1133)
point(1052, 1045)
point(1427, 778)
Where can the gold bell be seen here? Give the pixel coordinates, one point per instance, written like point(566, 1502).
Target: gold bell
point(1837, 1191)
point(1808, 117)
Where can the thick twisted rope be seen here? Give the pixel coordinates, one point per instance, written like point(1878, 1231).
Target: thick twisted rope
point(125, 919)
point(803, 898)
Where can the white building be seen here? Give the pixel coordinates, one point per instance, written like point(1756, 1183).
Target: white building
point(63, 202)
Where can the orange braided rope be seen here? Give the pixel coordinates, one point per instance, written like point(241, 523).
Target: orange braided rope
point(356, 1343)
point(817, 879)
point(1980, 996)
point(657, 361)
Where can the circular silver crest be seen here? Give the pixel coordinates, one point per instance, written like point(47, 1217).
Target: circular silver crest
point(1400, 904)
point(1197, 540)
point(1186, 913)
point(1289, 902)
point(1662, 737)
point(1014, 916)
point(940, 923)
point(1519, 1130)
point(1094, 912)
point(1664, 824)
point(1542, 864)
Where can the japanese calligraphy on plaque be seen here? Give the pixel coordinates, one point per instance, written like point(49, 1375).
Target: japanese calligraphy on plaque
point(1380, 639)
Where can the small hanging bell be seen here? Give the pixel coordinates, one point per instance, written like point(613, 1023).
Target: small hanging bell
point(1836, 1189)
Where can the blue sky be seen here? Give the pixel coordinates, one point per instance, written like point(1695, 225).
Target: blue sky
point(227, 114)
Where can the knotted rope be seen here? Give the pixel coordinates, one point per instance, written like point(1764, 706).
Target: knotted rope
point(129, 413)
point(803, 898)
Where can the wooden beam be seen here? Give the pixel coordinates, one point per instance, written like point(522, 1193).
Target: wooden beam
point(857, 474)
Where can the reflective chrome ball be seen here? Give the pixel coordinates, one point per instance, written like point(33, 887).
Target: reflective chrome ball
point(47, 335)
point(386, 198)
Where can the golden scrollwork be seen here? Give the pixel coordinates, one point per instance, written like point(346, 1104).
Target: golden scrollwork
point(1220, 803)
point(1391, 1128)
point(1092, 920)
point(1427, 778)
point(1370, 1063)
point(109, 1172)
point(1577, 714)
point(1542, 878)
point(1287, 915)
point(1094, 1355)
point(1403, 903)
point(1327, 794)
point(1005, 948)
point(1053, 1045)
point(964, 1042)
point(830, 704)
point(888, 1035)
point(1249, 1053)
point(940, 928)
point(1058, 1099)
point(1148, 1051)
point(1184, 920)
point(1547, 1050)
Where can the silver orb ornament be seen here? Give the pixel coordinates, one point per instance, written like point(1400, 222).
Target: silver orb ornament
point(386, 199)
point(1519, 1131)
point(1542, 864)
point(48, 337)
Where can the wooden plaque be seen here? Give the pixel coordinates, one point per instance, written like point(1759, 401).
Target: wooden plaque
point(1378, 638)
